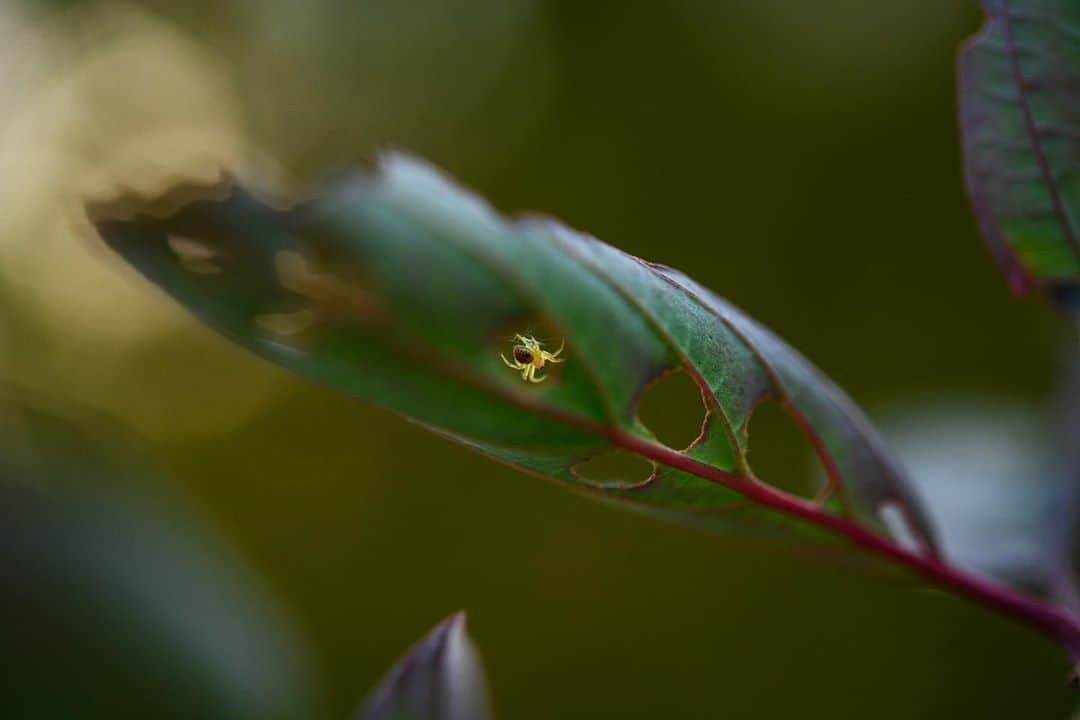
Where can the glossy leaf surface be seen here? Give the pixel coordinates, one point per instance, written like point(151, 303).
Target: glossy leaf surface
point(402, 289)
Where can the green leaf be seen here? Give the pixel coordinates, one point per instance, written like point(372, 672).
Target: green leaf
point(1020, 116)
point(441, 678)
point(116, 602)
point(402, 289)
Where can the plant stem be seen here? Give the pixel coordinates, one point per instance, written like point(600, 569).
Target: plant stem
point(1055, 622)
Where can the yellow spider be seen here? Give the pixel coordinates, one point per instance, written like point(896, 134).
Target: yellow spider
point(530, 357)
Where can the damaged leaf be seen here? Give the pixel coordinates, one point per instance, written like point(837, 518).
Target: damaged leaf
point(404, 290)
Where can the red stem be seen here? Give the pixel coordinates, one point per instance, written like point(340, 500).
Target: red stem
point(1058, 624)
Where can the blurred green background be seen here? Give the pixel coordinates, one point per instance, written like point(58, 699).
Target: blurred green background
point(799, 158)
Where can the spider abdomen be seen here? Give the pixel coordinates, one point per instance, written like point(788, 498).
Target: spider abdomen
point(523, 355)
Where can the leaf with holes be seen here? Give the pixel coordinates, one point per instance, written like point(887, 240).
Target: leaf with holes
point(1019, 88)
point(439, 679)
point(402, 289)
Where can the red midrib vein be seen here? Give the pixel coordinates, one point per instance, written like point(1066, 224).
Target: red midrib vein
point(1033, 130)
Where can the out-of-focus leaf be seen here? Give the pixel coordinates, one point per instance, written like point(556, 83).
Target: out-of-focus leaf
point(999, 489)
point(440, 679)
point(116, 604)
point(1020, 114)
point(403, 289)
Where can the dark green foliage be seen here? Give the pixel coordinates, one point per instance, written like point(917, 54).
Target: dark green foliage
point(402, 289)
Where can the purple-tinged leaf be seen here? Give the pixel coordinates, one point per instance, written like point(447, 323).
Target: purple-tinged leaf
point(402, 289)
point(441, 678)
point(1019, 84)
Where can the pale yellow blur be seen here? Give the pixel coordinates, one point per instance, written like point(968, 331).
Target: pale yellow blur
point(92, 101)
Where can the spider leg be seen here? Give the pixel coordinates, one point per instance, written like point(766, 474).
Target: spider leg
point(526, 372)
point(549, 357)
point(558, 352)
point(508, 363)
point(534, 379)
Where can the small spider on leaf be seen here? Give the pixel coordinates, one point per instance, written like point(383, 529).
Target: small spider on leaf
point(529, 357)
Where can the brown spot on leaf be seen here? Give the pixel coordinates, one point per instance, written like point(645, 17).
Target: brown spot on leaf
point(335, 297)
point(194, 255)
point(286, 324)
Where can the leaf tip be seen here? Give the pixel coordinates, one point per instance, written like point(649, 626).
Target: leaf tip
point(440, 678)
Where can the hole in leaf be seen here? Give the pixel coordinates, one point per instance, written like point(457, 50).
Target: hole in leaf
point(672, 408)
point(194, 255)
point(519, 353)
point(614, 469)
point(895, 520)
point(531, 325)
point(286, 324)
point(781, 454)
point(337, 294)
